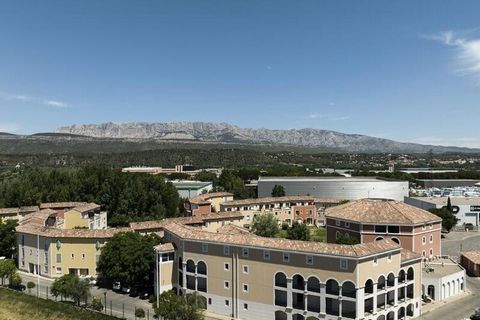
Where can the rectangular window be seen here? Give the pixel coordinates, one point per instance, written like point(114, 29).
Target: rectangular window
point(227, 303)
point(245, 287)
point(431, 238)
point(380, 229)
point(226, 250)
point(204, 247)
point(347, 224)
point(245, 269)
point(286, 257)
point(343, 264)
point(59, 258)
point(245, 252)
point(309, 260)
point(375, 260)
point(72, 256)
point(337, 223)
point(226, 266)
point(83, 256)
point(59, 270)
point(226, 285)
point(245, 306)
point(389, 258)
point(266, 255)
point(424, 240)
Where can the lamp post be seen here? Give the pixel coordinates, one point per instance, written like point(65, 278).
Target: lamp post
point(105, 296)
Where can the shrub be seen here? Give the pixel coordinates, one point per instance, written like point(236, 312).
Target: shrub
point(139, 313)
point(97, 304)
point(30, 285)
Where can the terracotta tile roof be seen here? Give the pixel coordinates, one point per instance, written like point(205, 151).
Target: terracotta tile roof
point(408, 255)
point(250, 240)
point(327, 200)
point(38, 218)
point(232, 229)
point(203, 198)
point(50, 232)
point(164, 247)
point(268, 200)
point(18, 210)
point(87, 207)
point(29, 209)
point(194, 220)
point(381, 211)
point(473, 256)
point(61, 205)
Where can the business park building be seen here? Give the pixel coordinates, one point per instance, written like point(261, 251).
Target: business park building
point(352, 188)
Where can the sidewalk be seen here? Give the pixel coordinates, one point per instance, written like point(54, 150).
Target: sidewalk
point(426, 308)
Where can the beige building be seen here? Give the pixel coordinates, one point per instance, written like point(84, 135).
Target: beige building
point(244, 276)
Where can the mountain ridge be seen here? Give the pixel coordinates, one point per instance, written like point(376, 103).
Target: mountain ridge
point(227, 133)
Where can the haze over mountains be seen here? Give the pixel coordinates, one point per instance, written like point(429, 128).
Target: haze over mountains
point(226, 133)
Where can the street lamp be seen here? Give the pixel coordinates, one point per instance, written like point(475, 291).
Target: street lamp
point(105, 295)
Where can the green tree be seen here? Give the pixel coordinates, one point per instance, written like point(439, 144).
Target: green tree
point(230, 182)
point(15, 279)
point(265, 225)
point(7, 268)
point(71, 286)
point(139, 313)
point(347, 240)
point(129, 258)
point(449, 205)
point(298, 231)
point(448, 218)
point(185, 307)
point(8, 241)
point(278, 191)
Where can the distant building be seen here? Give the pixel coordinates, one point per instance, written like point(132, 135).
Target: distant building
point(186, 169)
point(208, 202)
point(16, 213)
point(341, 188)
point(447, 183)
point(466, 209)
point(188, 189)
point(470, 260)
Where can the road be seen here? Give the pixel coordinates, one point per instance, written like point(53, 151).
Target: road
point(119, 305)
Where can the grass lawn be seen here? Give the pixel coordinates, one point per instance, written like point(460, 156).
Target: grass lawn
point(19, 306)
point(316, 234)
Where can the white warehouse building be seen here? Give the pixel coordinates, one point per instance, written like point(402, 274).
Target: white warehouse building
point(343, 188)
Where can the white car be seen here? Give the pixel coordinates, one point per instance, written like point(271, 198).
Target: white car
point(117, 286)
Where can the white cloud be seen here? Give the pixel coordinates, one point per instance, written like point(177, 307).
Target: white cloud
point(56, 104)
point(467, 49)
point(34, 100)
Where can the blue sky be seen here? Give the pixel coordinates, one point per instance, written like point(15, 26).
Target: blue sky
point(405, 70)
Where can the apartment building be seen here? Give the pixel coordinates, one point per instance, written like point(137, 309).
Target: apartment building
point(51, 251)
point(370, 220)
point(208, 203)
point(287, 209)
point(244, 276)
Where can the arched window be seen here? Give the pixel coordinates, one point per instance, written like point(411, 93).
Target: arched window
point(280, 315)
point(381, 283)
point(390, 280)
point(410, 274)
point(201, 268)
point(280, 280)
point(396, 240)
point(298, 283)
point(401, 276)
point(337, 235)
point(391, 315)
point(298, 316)
point(313, 284)
point(369, 286)
point(348, 289)
point(332, 287)
point(379, 239)
point(190, 266)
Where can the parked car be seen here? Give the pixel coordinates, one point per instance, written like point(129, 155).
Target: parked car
point(117, 286)
point(19, 287)
point(475, 316)
point(133, 292)
point(126, 289)
point(144, 294)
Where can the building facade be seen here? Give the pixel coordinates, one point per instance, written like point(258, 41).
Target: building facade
point(208, 203)
point(470, 260)
point(248, 277)
point(188, 189)
point(370, 220)
point(342, 188)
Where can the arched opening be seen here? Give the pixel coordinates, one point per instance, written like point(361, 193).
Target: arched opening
point(401, 313)
point(391, 315)
point(190, 266)
point(298, 283)
point(396, 240)
point(202, 268)
point(381, 283)
point(410, 274)
point(369, 286)
point(332, 287)
point(313, 285)
point(298, 316)
point(431, 291)
point(280, 315)
point(401, 276)
point(410, 310)
point(390, 280)
point(280, 280)
point(382, 317)
point(348, 289)
point(379, 239)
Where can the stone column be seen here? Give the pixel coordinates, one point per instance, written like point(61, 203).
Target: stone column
point(340, 301)
point(323, 301)
point(289, 293)
point(360, 303)
point(375, 291)
point(395, 299)
point(305, 295)
point(184, 276)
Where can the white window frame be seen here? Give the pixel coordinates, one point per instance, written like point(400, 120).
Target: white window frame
point(286, 257)
point(245, 306)
point(226, 250)
point(245, 252)
point(347, 224)
point(226, 266)
point(226, 284)
point(309, 259)
point(266, 255)
point(243, 287)
point(245, 269)
point(204, 247)
point(337, 223)
point(343, 264)
point(424, 240)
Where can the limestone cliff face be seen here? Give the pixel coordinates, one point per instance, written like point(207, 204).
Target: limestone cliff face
point(224, 132)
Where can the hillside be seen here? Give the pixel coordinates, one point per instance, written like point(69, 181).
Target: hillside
point(226, 133)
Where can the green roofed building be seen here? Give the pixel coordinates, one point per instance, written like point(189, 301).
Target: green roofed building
point(189, 189)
